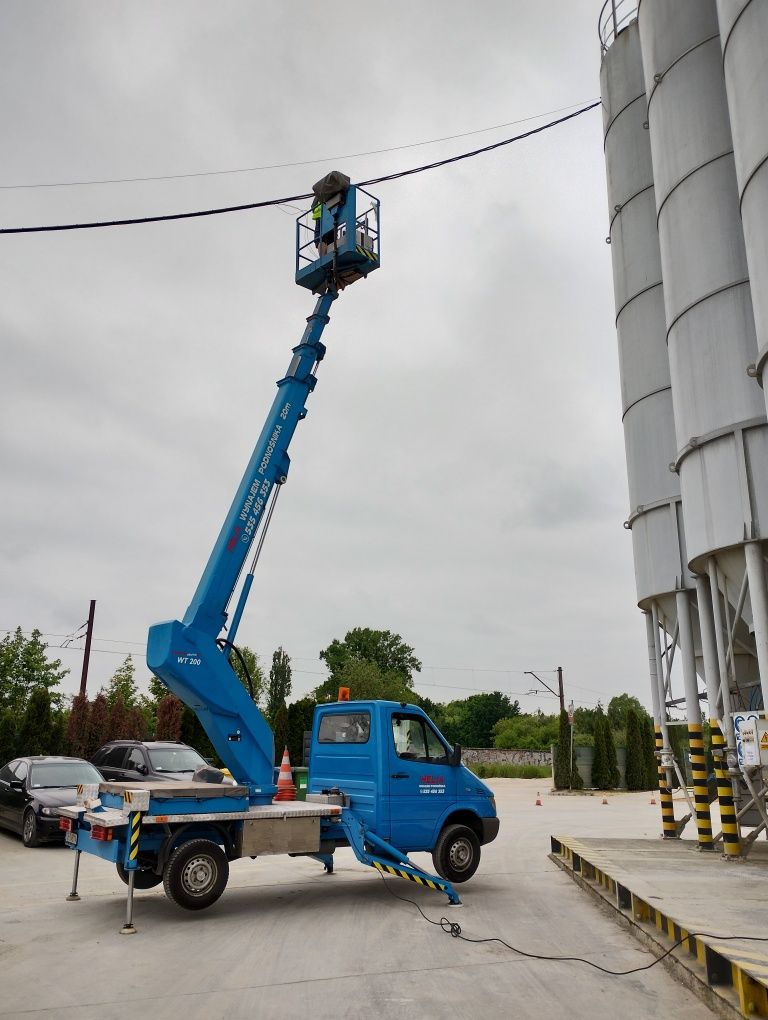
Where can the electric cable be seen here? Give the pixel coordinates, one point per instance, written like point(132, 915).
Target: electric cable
point(454, 930)
point(296, 198)
point(284, 166)
point(223, 644)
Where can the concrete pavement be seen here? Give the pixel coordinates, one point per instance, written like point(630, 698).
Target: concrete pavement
point(287, 941)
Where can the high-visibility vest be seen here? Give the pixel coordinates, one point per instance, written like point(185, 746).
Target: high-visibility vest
point(317, 211)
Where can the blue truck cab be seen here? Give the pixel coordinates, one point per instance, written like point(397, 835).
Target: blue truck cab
point(404, 780)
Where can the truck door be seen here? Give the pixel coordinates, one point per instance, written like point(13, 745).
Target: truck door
point(421, 782)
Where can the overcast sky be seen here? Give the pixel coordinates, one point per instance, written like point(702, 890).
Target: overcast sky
point(460, 478)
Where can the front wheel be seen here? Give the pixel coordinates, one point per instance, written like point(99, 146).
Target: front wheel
point(457, 853)
point(29, 835)
point(142, 879)
point(196, 874)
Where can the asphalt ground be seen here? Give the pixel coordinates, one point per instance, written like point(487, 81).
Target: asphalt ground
point(285, 940)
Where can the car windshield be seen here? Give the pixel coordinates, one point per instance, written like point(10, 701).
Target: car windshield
point(63, 773)
point(175, 759)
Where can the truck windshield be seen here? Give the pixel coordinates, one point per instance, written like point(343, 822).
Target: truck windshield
point(175, 759)
point(345, 728)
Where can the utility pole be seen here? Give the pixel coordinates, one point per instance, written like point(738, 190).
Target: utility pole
point(87, 656)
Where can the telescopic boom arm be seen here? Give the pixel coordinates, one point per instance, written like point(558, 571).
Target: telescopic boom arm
point(188, 654)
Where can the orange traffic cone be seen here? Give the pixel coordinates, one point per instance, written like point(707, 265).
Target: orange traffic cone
point(538, 800)
point(605, 800)
point(285, 786)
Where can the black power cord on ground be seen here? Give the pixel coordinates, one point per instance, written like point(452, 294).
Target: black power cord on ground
point(454, 930)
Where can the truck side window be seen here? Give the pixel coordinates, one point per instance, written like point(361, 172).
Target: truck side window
point(417, 741)
point(345, 728)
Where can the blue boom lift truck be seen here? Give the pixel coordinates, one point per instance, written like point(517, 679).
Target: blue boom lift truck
point(382, 779)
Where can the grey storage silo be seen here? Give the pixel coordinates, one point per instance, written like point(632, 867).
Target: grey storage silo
point(744, 41)
point(720, 425)
point(664, 584)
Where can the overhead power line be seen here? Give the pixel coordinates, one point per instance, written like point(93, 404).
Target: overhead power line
point(297, 198)
point(283, 166)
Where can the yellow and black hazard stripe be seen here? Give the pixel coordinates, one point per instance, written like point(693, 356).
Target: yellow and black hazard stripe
point(368, 254)
point(387, 869)
point(700, 791)
point(134, 825)
point(668, 826)
point(728, 823)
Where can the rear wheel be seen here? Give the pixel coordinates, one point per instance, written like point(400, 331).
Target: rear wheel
point(142, 878)
point(196, 874)
point(457, 853)
point(29, 835)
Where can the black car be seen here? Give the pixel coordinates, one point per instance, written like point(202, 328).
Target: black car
point(32, 788)
point(136, 761)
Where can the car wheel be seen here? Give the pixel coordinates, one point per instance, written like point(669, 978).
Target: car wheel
point(29, 836)
point(196, 874)
point(143, 878)
point(457, 853)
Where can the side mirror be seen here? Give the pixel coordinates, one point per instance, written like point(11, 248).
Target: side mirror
point(142, 769)
point(455, 755)
point(17, 784)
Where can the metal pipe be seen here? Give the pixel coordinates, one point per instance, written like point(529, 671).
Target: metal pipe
point(128, 928)
point(721, 745)
point(758, 597)
point(663, 750)
point(74, 894)
point(700, 806)
point(708, 646)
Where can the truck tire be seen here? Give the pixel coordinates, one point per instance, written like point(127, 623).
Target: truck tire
point(457, 853)
point(142, 878)
point(196, 874)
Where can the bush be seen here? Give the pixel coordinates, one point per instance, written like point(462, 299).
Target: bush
point(484, 771)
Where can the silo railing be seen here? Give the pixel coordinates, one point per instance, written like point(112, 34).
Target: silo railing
point(615, 16)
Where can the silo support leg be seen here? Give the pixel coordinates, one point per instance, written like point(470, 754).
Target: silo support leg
point(728, 823)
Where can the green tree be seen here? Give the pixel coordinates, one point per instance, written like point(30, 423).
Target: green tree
point(280, 730)
point(136, 724)
point(563, 754)
point(118, 718)
point(279, 689)
point(366, 682)
point(256, 673)
point(610, 745)
point(157, 689)
point(78, 727)
point(601, 766)
point(584, 724)
point(192, 733)
point(58, 739)
point(98, 725)
point(123, 683)
point(471, 720)
point(25, 667)
point(386, 650)
point(636, 777)
point(169, 711)
point(617, 710)
point(8, 736)
point(649, 749)
point(534, 732)
point(37, 724)
point(300, 716)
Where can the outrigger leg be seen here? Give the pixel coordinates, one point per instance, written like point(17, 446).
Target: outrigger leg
point(387, 860)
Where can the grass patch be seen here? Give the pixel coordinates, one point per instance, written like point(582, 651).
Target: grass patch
point(511, 771)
